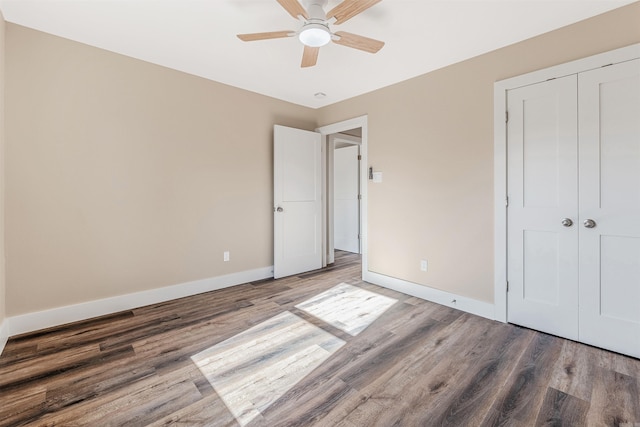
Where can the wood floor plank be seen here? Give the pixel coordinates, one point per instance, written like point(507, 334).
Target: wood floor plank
point(26, 405)
point(367, 411)
point(70, 336)
point(66, 387)
point(306, 289)
point(172, 350)
point(306, 392)
point(474, 393)
point(401, 314)
point(417, 364)
point(17, 352)
point(206, 411)
point(39, 368)
point(615, 400)
point(311, 410)
point(142, 410)
point(171, 323)
point(130, 403)
point(386, 356)
point(389, 384)
point(559, 409)
point(624, 364)
point(428, 384)
point(523, 395)
point(96, 380)
point(574, 371)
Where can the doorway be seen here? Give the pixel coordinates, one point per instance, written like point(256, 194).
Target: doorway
point(302, 237)
point(343, 192)
point(341, 136)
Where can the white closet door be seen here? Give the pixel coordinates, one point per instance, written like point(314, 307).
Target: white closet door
point(543, 189)
point(609, 132)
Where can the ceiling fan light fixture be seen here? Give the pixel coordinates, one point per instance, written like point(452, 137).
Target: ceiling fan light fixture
point(315, 35)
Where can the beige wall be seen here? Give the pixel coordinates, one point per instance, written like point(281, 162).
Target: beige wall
point(432, 137)
point(2, 174)
point(124, 176)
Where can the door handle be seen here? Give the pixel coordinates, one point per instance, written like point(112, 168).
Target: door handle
point(279, 209)
point(589, 223)
point(567, 222)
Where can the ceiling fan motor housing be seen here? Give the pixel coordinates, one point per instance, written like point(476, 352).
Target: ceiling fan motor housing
point(315, 10)
point(315, 32)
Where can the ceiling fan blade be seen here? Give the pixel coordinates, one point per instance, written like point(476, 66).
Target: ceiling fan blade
point(309, 56)
point(358, 42)
point(349, 8)
point(294, 8)
point(265, 36)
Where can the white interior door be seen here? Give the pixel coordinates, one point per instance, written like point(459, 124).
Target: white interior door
point(542, 179)
point(297, 198)
point(609, 132)
point(346, 208)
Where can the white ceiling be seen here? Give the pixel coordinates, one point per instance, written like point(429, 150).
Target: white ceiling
point(198, 37)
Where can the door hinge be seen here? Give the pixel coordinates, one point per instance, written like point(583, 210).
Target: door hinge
point(359, 157)
point(507, 286)
point(359, 196)
point(506, 117)
point(506, 201)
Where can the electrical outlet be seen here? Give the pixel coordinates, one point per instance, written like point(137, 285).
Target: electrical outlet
point(225, 256)
point(423, 265)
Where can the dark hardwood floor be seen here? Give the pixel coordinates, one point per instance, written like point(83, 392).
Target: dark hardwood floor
point(419, 364)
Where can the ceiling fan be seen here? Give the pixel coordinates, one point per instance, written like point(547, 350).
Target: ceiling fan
point(315, 31)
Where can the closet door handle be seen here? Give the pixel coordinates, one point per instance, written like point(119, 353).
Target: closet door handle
point(567, 222)
point(589, 223)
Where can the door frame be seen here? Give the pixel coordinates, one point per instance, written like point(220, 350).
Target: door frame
point(500, 89)
point(327, 130)
point(333, 139)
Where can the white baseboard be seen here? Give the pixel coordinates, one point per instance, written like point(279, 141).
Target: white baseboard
point(72, 313)
point(469, 305)
point(58, 316)
point(4, 334)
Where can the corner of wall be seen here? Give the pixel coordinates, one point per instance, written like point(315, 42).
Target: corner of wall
point(4, 334)
point(3, 322)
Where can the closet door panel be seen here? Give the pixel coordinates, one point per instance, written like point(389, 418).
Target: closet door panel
point(542, 188)
point(609, 183)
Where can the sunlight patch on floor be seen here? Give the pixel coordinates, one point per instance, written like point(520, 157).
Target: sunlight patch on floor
point(253, 369)
point(347, 307)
